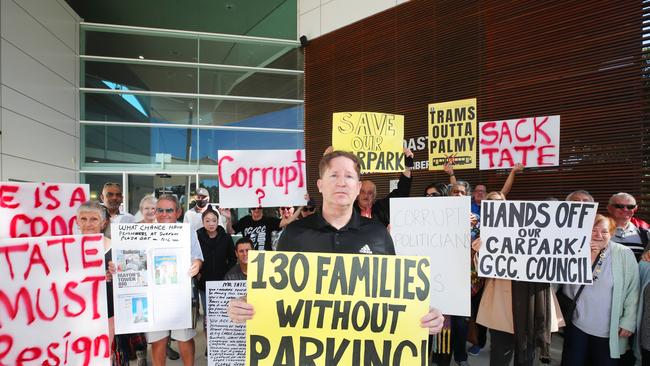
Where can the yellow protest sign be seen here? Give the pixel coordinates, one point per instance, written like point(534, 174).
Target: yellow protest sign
point(376, 138)
point(336, 309)
point(452, 134)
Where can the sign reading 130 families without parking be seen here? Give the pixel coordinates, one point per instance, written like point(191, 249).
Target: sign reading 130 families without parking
point(337, 309)
point(452, 134)
point(376, 138)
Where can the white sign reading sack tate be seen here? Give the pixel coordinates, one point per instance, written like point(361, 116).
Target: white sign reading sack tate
point(39, 209)
point(262, 178)
point(438, 228)
point(152, 288)
point(533, 142)
point(547, 241)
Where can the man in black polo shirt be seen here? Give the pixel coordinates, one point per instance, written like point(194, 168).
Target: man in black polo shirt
point(337, 229)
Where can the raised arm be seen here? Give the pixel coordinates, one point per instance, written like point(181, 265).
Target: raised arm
point(507, 186)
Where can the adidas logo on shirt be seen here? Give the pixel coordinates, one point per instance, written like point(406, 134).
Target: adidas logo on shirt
point(365, 249)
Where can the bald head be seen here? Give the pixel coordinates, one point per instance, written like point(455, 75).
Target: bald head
point(367, 194)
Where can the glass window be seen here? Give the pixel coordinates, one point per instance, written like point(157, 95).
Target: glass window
point(148, 47)
point(251, 84)
point(159, 78)
point(138, 108)
point(138, 145)
point(250, 114)
point(97, 181)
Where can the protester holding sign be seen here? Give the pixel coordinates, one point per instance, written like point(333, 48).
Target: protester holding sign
point(605, 312)
point(517, 329)
point(91, 219)
point(167, 212)
point(337, 229)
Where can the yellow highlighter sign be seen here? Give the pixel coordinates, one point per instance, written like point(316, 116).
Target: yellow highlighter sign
point(452, 134)
point(336, 309)
point(376, 138)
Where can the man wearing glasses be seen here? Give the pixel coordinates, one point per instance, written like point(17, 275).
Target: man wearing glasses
point(621, 208)
point(112, 198)
point(167, 212)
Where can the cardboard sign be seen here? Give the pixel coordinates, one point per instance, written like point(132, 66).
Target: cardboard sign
point(262, 178)
point(53, 301)
point(226, 340)
point(546, 241)
point(39, 209)
point(152, 289)
point(533, 142)
point(439, 228)
point(314, 308)
point(452, 134)
point(376, 138)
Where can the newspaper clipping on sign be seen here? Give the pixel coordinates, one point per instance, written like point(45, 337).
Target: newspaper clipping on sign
point(152, 288)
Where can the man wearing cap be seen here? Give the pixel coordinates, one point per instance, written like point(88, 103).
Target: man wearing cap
point(194, 216)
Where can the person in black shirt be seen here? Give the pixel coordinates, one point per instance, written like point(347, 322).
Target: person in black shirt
point(337, 229)
point(257, 227)
point(239, 271)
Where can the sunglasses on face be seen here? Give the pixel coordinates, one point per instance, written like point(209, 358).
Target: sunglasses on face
point(165, 210)
point(620, 207)
point(285, 208)
point(309, 209)
point(433, 194)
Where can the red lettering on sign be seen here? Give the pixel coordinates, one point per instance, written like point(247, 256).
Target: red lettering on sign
point(519, 137)
point(95, 281)
point(70, 294)
point(54, 202)
point(524, 152)
point(6, 196)
point(13, 248)
point(222, 180)
point(490, 151)
point(505, 130)
point(93, 251)
point(488, 129)
point(541, 155)
point(8, 341)
point(28, 354)
point(78, 197)
point(51, 356)
point(538, 129)
point(83, 345)
point(64, 252)
point(506, 156)
point(12, 311)
point(55, 297)
point(36, 258)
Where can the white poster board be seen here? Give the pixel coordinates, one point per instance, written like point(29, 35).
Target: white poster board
point(226, 340)
point(39, 209)
point(532, 141)
point(262, 178)
point(152, 287)
point(56, 287)
point(537, 241)
point(440, 229)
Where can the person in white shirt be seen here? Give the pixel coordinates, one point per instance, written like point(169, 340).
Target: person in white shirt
point(112, 198)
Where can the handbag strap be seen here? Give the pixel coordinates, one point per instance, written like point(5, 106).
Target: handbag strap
point(593, 267)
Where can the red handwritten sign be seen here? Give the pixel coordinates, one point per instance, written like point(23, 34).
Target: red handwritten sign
point(533, 142)
point(53, 301)
point(39, 209)
point(256, 178)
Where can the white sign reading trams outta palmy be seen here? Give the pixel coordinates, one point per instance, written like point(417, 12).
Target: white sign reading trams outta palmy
point(439, 228)
point(547, 241)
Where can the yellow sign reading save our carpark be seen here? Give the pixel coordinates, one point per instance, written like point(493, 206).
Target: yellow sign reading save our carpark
point(336, 309)
point(376, 138)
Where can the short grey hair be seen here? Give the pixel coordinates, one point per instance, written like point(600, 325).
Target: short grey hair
point(464, 183)
point(93, 206)
point(623, 195)
point(169, 197)
point(577, 192)
point(148, 198)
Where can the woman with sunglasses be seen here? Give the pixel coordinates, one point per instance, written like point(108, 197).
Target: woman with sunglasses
point(605, 312)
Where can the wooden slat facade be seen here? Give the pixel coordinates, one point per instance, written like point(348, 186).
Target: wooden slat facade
point(581, 60)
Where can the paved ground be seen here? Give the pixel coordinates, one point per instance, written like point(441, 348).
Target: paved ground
point(481, 360)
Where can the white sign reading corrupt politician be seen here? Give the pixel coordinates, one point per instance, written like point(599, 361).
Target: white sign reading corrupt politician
point(546, 241)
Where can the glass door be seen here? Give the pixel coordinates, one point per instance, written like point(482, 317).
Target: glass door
point(180, 185)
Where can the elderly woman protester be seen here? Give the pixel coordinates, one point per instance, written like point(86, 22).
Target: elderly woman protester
point(92, 219)
point(148, 209)
point(605, 312)
point(505, 309)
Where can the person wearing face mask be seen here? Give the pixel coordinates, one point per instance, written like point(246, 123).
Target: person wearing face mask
point(605, 313)
point(193, 216)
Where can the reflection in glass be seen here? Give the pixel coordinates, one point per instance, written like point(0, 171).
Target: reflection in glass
point(250, 114)
point(121, 108)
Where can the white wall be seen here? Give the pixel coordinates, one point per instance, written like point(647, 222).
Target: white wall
point(317, 17)
point(39, 97)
